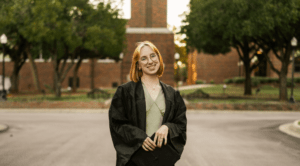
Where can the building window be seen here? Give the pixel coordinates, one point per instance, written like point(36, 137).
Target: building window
point(297, 64)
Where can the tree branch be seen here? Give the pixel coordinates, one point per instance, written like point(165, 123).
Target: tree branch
point(68, 68)
point(271, 65)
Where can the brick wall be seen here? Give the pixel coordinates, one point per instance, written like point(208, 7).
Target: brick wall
point(217, 67)
point(153, 11)
point(105, 75)
point(221, 67)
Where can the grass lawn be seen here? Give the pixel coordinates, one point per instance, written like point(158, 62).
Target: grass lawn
point(233, 94)
point(80, 95)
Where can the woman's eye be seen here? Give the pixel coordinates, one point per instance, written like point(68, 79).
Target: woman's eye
point(153, 55)
point(143, 59)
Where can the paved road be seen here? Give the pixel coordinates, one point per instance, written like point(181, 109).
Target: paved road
point(214, 139)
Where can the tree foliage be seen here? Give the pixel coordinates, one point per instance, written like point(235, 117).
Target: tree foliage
point(214, 27)
point(62, 30)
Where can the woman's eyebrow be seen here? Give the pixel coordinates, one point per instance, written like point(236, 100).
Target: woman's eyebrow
point(146, 55)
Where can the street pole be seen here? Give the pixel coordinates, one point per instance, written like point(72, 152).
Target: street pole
point(3, 40)
point(3, 68)
point(292, 100)
point(121, 63)
point(294, 44)
point(176, 57)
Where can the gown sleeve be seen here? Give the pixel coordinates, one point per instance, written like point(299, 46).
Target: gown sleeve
point(126, 137)
point(177, 126)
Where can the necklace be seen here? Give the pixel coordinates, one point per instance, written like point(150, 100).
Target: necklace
point(152, 87)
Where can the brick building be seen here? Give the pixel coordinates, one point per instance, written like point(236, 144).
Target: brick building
point(148, 22)
point(219, 67)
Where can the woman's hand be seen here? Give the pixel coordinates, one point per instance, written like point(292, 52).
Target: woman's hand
point(161, 133)
point(148, 144)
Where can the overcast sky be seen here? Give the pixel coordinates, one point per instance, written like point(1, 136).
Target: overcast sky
point(174, 9)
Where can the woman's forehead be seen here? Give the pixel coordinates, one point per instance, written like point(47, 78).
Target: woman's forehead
point(146, 50)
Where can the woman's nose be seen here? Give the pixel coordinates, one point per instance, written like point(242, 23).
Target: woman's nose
point(150, 60)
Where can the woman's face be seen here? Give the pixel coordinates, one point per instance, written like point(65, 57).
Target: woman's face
point(149, 61)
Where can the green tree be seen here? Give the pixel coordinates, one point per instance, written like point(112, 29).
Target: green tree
point(278, 25)
point(69, 29)
point(10, 21)
point(215, 26)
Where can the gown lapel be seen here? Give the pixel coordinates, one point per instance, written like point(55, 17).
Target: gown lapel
point(140, 105)
point(168, 100)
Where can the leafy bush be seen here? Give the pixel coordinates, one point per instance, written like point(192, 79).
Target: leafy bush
point(255, 82)
point(258, 80)
point(49, 88)
point(238, 80)
point(227, 81)
point(212, 81)
point(273, 80)
point(262, 79)
point(289, 82)
point(200, 82)
point(297, 80)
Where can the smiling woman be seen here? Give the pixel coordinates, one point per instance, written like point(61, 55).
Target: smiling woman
point(146, 115)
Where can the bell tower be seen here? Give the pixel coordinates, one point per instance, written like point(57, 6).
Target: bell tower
point(148, 13)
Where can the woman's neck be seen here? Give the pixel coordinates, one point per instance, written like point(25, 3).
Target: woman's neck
point(150, 79)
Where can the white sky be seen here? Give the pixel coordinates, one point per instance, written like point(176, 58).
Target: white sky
point(174, 9)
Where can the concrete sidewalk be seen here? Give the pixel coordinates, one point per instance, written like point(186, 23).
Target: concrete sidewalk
point(292, 129)
point(3, 128)
point(194, 86)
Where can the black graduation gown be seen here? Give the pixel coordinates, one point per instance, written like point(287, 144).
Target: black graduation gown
point(127, 119)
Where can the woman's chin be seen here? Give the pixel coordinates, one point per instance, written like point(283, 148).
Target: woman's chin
point(151, 73)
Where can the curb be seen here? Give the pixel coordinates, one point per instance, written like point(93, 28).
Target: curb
point(3, 128)
point(292, 129)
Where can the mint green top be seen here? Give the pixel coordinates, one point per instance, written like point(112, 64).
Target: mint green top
point(155, 110)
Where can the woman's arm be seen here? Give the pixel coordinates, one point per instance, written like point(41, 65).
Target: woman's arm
point(121, 128)
point(177, 126)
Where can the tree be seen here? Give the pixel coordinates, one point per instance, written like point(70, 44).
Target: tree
point(102, 33)
point(215, 26)
point(280, 22)
point(52, 28)
point(11, 19)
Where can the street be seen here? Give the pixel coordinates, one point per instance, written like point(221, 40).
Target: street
point(214, 138)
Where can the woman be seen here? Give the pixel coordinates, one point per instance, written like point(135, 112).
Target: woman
point(146, 106)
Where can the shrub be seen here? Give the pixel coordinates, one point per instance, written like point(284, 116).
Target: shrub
point(49, 88)
point(289, 82)
point(274, 80)
point(238, 80)
point(255, 82)
point(212, 81)
point(262, 79)
point(199, 82)
point(297, 80)
point(227, 81)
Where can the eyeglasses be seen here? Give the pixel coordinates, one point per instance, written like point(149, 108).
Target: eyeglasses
point(145, 59)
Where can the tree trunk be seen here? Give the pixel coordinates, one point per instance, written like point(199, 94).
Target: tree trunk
point(34, 71)
point(57, 83)
point(248, 86)
point(92, 73)
point(15, 75)
point(75, 74)
point(58, 89)
point(283, 82)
